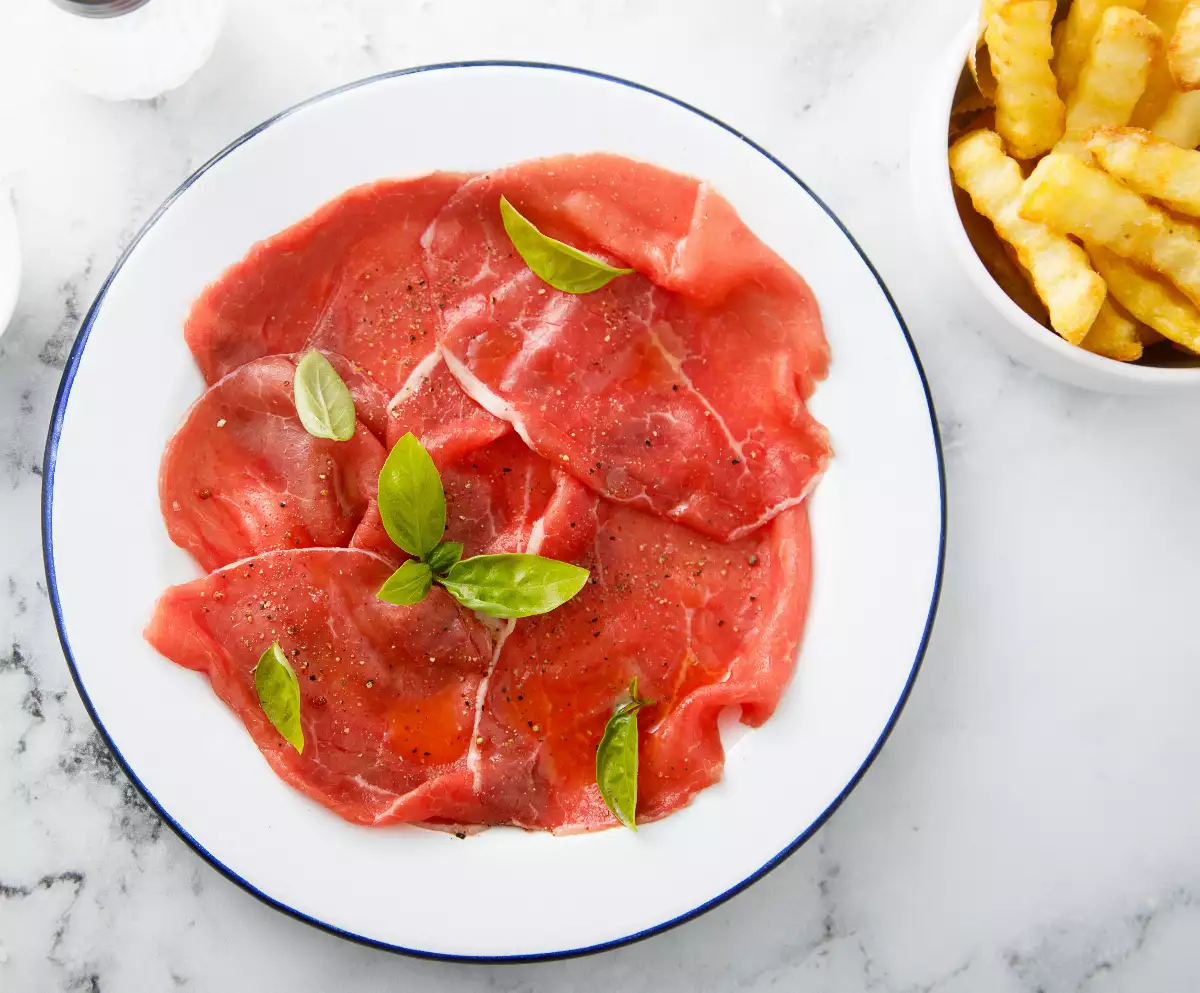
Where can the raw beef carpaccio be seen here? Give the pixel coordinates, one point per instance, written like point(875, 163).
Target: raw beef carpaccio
point(653, 431)
point(242, 476)
point(497, 490)
point(680, 389)
point(701, 624)
point(387, 696)
point(349, 279)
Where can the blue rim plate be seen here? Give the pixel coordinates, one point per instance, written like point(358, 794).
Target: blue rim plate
point(878, 518)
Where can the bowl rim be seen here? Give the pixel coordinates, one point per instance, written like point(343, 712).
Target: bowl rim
point(1037, 334)
point(50, 456)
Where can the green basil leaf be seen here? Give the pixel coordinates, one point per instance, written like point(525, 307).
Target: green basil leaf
point(407, 585)
point(617, 760)
point(322, 400)
point(513, 585)
point(279, 695)
point(412, 502)
point(444, 556)
point(563, 267)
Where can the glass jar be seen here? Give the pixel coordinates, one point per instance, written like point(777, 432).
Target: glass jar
point(128, 49)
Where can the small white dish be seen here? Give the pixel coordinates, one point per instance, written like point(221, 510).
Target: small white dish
point(877, 523)
point(960, 273)
point(10, 259)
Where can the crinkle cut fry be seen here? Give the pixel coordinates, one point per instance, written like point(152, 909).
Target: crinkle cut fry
point(1153, 166)
point(1114, 335)
point(1061, 274)
point(1115, 73)
point(1080, 200)
point(1184, 57)
point(1075, 34)
point(1150, 299)
point(1030, 115)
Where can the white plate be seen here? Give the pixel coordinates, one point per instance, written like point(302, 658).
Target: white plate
point(878, 528)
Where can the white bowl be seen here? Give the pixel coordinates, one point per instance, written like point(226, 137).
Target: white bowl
point(877, 524)
point(960, 272)
point(10, 259)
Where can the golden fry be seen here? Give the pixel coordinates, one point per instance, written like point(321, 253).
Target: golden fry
point(1113, 77)
point(1164, 13)
point(1077, 199)
point(1079, 30)
point(1029, 113)
point(971, 110)
point(998, 261)
point(1180, 121)
point(989, 8)
point(960, 125)
point(1114, 335)
point(981, 69)
point(1153, 166)
point(981, 72)
point(1160, 87)
point(1185, 48)
point(972, 103)
point(1061, 274)
point(1151, 300)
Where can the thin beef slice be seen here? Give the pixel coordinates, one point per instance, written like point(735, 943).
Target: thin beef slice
point(388, 693)
point(702, 625)
point(497, 490)
point(680, 389)
point(349, 279)
point(243, 476)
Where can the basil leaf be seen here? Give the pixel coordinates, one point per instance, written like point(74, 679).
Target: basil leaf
point(513, 585)
point(617, 760)
point(411, 500)
point(279, 695)
point(563, 267)
point(322, 400)
point(444, 556)
point(407, 585)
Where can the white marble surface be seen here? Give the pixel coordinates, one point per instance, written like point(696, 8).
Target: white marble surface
point(1034, 822)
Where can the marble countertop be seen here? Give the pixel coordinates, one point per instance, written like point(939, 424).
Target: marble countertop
point(1034, 822)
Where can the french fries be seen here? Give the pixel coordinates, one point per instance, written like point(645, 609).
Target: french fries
point(1077, 199)
point(1079, 29)
point(1102, 241)
point(1114, 74)
point(981, 72)
point(1114, 335)
point(999, 259)
point(1030, 116)
point(1062, 276)
point(1160, 88)
point(1148, 298)
point(1180, 121)
point(1164, 109)
point(1185, 48)
point(972, 111)
point(1153, 166)
point(981, 69)
point(1164, 13)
